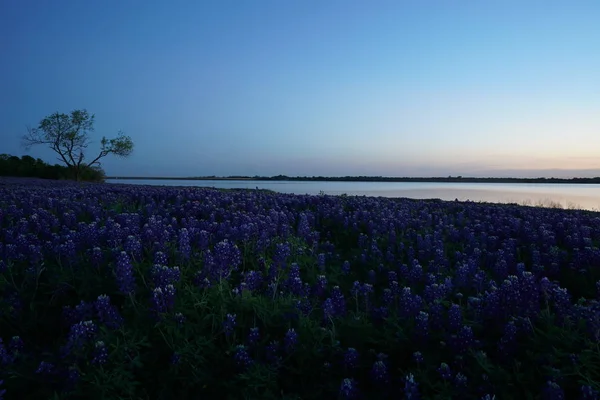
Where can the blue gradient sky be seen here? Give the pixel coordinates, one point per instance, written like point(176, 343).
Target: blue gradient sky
point(312, 87)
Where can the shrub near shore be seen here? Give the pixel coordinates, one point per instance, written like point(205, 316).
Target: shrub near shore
point(114, 291)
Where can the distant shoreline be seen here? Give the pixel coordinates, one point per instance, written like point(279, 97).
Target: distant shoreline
point(450, 179)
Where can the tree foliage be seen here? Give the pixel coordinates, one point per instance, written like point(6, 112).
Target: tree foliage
point(29, 167)
point(68, 135)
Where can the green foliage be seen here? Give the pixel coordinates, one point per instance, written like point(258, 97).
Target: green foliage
point(28, 167)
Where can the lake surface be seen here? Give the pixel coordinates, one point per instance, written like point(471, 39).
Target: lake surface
point(585, 196)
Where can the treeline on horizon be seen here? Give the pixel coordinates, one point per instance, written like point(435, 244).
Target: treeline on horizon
point(29, 167)
point(457, 179)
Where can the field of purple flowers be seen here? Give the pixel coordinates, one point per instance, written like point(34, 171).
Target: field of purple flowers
point(133, 292)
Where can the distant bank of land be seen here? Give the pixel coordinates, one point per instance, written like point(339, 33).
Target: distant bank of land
point(453, 179)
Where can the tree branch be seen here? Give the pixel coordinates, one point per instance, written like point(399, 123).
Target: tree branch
point(103, 153)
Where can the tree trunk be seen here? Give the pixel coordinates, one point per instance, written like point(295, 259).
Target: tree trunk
point(76, 173)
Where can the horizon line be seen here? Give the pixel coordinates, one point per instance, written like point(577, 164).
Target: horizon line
point(345, 177)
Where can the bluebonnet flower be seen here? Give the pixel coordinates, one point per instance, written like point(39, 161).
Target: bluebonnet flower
point(163, 299)
point(203, 239)
point(185, 248)
point(96, 257)
point(422, 326)
point(201, 280)
point(588, 393)
point(433, 292)
point(68, 250)
point(454, 317)
point(227, 257)
point(73, 376)
point(395, 288)
point(303, 226)
point(475, 306)
point(339, 303)
point(362, 241)
point(5, 357)
point(364, 258)
point(282, 252)
point(133, 246)
point(290, 341)
point(562, 303)
point(35, 254)
point(294, 283)
point(45, 368)
point(16, 345)
point(510, 294)
point(80, 334)
point(418, 357)
point(321, 285)
point(82, 311)
point(2, 391)
point(346, 267)
point(387, 297)
point(241, 356)
point(328, 310)
point(304, 305)
point(415, 274)
point(351, 358)
point(253, 280)
point(124, 274)
point(108, 313)
point(460, 381)
point(366, 289)
point(160, 258)
point(348, 389)
point(163, 275)
point(411, 388)
point(272, 353)
point(552, 391)
point(253, 336)
point(463, 339)
point(179, 318)
point(410, 304)
point(379, 372)
point(479, 281)
point(100, 353)
point(229, 324)
point(175, 358)
point(574, 358)
point(462, 276)
point(445, 372)
point(321, 261)
point(546, 287)
point(508, 339)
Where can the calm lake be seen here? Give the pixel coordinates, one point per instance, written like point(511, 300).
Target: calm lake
point(585, 196)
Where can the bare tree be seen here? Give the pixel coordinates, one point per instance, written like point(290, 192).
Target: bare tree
point(68, 136)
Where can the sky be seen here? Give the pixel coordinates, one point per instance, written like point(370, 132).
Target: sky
point(312, 87)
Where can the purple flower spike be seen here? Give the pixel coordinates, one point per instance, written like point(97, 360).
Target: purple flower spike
point(229, 324)
point(124, 274)
point(163, 299)
point(348, 389)
point(411, 388)
point(108, 313)
point(100, 353)
point(290, 341)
